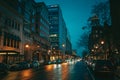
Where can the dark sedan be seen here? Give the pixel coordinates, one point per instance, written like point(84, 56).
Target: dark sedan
point(103, 67)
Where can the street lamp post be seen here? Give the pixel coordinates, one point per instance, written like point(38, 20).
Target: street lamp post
point(102, 42)
point(63, 55)
point(106, 54)
point(26, 55)
point(51, 53)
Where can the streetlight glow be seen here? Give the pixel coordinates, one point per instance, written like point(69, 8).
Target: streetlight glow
point(102, 42)
point(63, 45)
point(26, 45)
point(96, 47)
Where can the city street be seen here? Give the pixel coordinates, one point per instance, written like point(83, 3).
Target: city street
point(59, 40)
point(64, 71)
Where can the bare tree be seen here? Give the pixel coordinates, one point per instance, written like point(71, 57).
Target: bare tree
point(102, 10)
point(84, 53)
point(102, 13)
point(83, 41)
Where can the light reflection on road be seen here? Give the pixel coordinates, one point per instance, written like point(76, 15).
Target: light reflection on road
point(64, 71)
point(19, 75)
point(26, 74)
point(57, 71)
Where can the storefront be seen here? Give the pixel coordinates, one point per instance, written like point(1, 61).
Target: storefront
point(9, 56)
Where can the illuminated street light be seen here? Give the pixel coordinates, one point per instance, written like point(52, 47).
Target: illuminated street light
point(27, 52)
point(92, 50)
point(27, 46)
point(49, 51)
point(63, 45)
point(96, 47)
point(102, 42)
point(38, 46)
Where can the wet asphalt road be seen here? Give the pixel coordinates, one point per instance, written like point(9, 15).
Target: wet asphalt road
point(64, 71)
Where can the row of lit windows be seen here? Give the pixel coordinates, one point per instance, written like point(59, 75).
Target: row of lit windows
point(98, 31)
point(97, 36)
point(11, 43)
point(53, 35)
point(54, 22)
point(53, 17)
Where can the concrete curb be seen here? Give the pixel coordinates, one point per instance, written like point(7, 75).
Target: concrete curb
point(90, 74)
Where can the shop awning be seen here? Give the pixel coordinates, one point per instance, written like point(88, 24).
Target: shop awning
point(9, 52)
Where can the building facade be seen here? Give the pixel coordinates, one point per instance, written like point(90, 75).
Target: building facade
point(30, 30)
point(24, 33)
point(58, 32)
point(10, 31)
point(42, 29)
point(27, 9)
point(98, 40)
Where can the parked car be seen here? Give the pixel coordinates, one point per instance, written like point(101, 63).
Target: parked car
point(48, 62)
point(58, 61)
point(19, 66)
point(24, 65)
point(14, 67)
point(89, 63)
point(3, 68)
point(103, 66)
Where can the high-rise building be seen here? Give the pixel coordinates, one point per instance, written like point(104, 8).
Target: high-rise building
point(57, 31)
point(42, 29)
point(27, 10)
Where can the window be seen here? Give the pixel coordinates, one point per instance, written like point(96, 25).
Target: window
point(8, 42)
point(33, 28)
point(12, 42)
point(18, 27)
point(12, 23)
point(19, 0)
point(17, 43)
point(96, 35)
point(5, 41)
point(101, 32)
point(0, 39)
point(9, 22)
point(6, 21)
point(96, 31)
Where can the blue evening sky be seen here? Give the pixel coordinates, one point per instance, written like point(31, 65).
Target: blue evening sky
point(75, 14)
